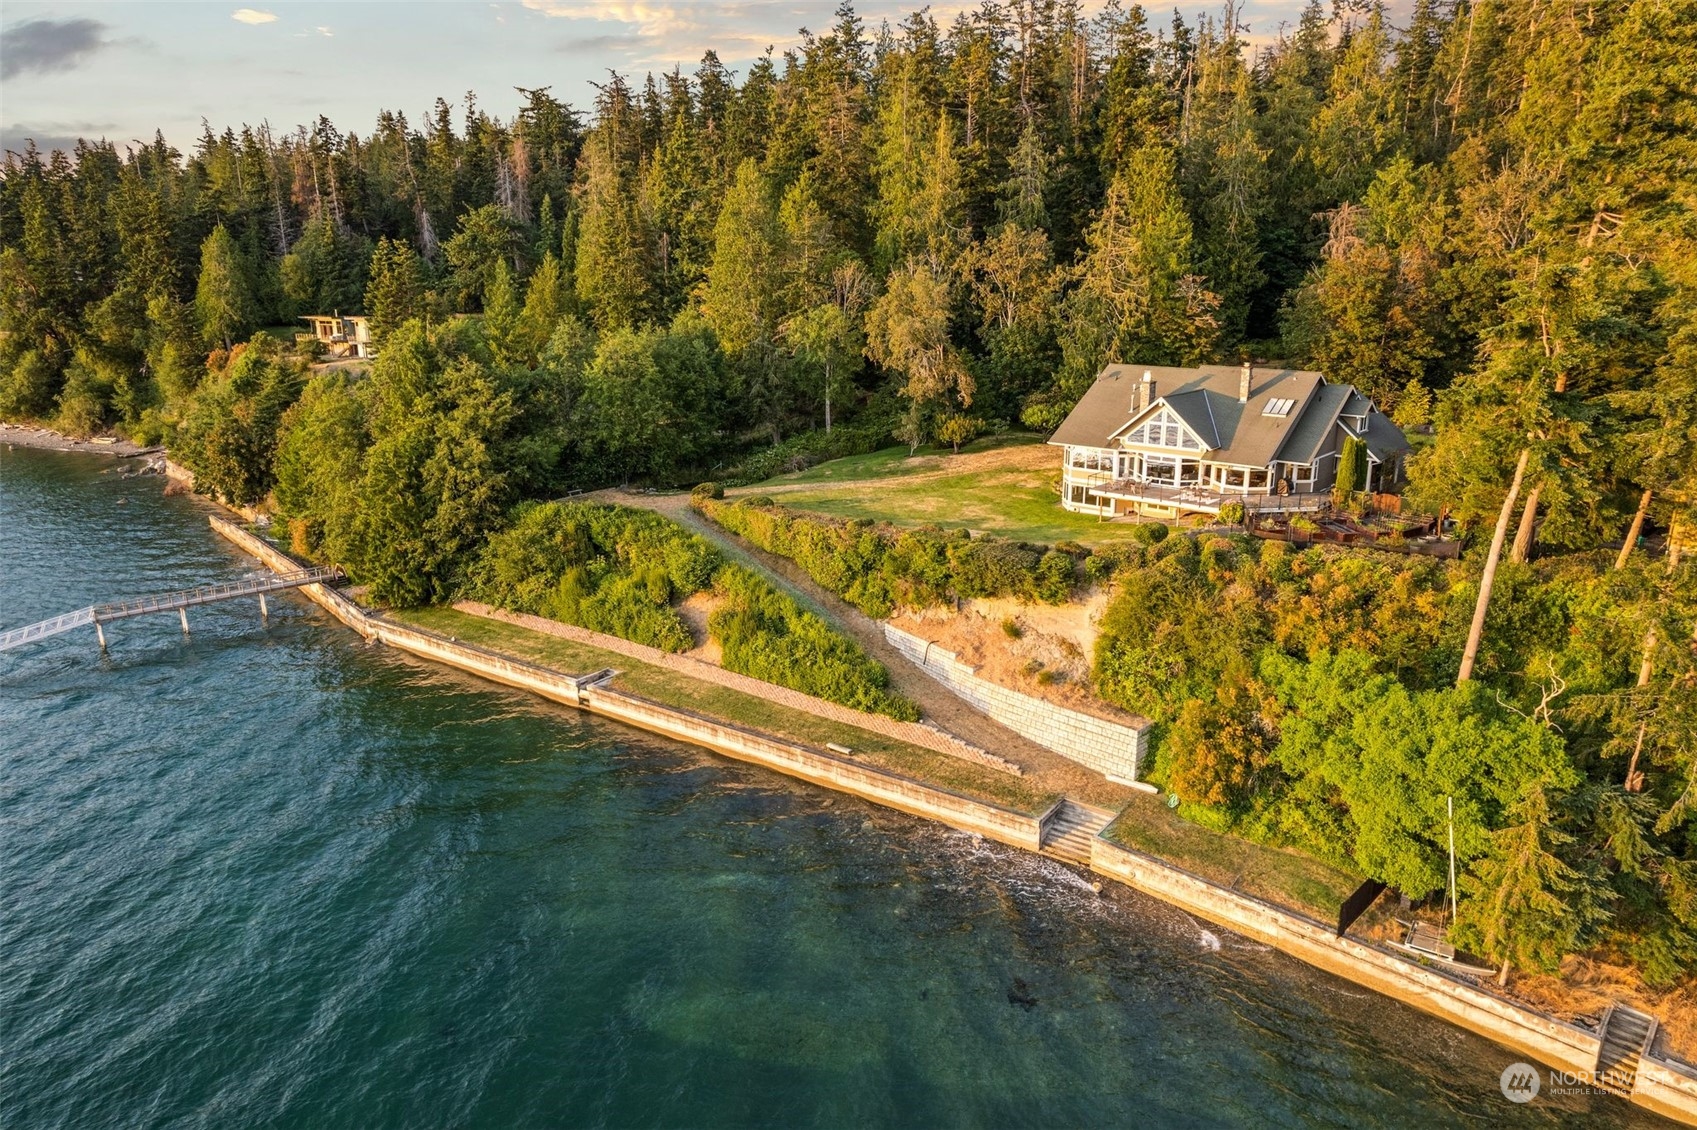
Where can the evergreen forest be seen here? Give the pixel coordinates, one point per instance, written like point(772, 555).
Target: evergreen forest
point(1482, 213)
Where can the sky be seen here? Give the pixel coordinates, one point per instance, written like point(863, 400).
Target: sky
point(121, 70)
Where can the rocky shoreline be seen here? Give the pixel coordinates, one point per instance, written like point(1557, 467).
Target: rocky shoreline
point(25, 435)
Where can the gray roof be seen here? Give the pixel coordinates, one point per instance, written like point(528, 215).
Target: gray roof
point(1309, 436)
point(1206, 399)
point(1384, 439)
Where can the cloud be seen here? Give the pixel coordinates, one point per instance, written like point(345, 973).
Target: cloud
point(51, 136)
point(47, 46)
point(658, 32)
point(253, 16)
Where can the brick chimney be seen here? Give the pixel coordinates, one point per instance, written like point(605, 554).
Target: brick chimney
point(1145, 391)
point(1243, 382)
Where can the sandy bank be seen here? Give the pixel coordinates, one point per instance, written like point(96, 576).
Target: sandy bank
point(26, 435)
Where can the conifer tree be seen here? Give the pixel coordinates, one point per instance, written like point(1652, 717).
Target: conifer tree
point(396, 290)
point(223, 299)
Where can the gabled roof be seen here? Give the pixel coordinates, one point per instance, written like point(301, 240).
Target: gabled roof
point(1193, 408)
point(1206, 399)
point(1384, 439)
point(1312, 429)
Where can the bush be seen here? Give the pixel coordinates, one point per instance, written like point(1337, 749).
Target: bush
point(1232, 514)
point(879, 568)
point(707, 490)
point(764, 634)
point(610, 569)
point(808, 449)
point(1054, 577)
point(1148, 533)
point(1011, 628)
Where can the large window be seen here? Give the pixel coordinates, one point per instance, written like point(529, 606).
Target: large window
point(1171, 471)
point(1091, 459)
point(1242, 478)
point(1163, 429)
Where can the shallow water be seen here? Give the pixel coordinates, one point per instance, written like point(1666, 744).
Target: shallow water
point(268, 875)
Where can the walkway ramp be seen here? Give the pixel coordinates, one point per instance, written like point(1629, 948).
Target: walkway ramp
point(98, 614)
point(1069, 828)
point(1626, 1039)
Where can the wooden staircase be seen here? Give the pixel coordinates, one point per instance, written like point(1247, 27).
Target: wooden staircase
point(1069, 828)
point(1626, 1037)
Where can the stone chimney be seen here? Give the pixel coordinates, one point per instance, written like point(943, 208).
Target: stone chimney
point(1145, 391)
point(1243, 382)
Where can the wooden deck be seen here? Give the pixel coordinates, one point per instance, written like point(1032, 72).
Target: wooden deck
point(1201, 500)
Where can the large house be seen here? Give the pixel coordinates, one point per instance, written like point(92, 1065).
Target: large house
point(343, 335)
point(1163, 441)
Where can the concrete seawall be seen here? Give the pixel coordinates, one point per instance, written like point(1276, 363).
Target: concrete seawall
point(1665, 1087)
point(817, 766)
point(1112, 749)
point(913, 733)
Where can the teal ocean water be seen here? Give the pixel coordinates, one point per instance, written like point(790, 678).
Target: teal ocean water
point(266, 875)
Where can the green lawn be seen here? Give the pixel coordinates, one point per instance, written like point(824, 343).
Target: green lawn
point(1015, 497)
point(675, 689)
point(1286, 878)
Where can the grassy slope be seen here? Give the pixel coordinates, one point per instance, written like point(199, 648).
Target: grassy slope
point(1287, 878)
point(1007, 485)
point(674, 689)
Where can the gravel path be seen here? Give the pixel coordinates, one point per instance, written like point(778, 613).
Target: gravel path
point(1042, 766)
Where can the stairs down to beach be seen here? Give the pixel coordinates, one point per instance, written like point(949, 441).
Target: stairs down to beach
point(1626, 1036)
point(1068, 830)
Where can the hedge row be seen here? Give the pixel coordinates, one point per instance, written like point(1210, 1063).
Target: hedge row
point(619, 570)
point(879, 568)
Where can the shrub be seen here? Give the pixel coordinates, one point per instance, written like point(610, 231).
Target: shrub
point(764, 634)
point(1110, 559)
point(989, 567)
point(1011, 628)
point(808, 449)
point(1148, 533)
point(878, 568)
point(956, 430)
point(1054, 577)
point(610, 569)
point(707, 490)
point(1232, 513)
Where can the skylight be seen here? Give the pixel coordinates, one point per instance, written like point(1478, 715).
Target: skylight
point(1279, 406)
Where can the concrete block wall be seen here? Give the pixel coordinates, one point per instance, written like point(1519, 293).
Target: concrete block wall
point(1112, 749)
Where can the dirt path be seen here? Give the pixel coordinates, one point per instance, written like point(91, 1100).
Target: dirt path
point(1042, 766)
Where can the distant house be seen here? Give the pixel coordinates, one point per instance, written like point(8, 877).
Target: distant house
point(342, 335)
point(1163, 441)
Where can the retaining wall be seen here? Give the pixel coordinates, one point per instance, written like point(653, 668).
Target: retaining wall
point(1112, 749)
point(927, 737)
point(1663, 1087)
point(843, 774)
point(1668, 1088)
